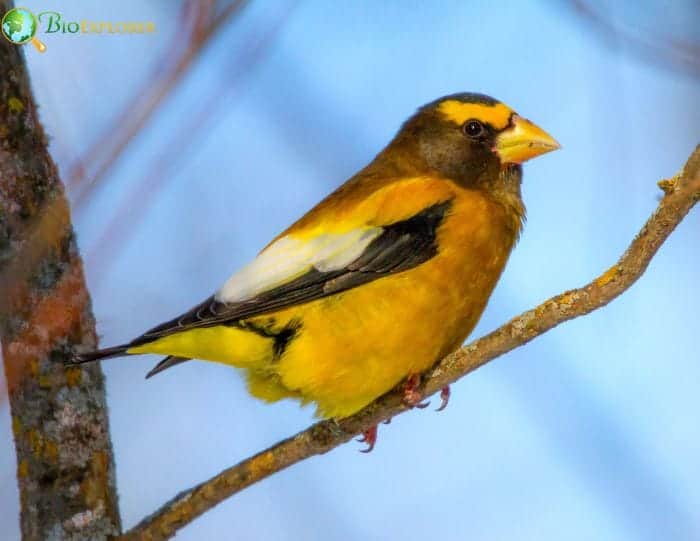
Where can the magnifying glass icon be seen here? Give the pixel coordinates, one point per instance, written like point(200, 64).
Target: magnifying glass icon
point(19, 26)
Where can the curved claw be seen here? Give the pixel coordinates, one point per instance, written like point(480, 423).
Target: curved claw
point(369, 437)
point(445, 397)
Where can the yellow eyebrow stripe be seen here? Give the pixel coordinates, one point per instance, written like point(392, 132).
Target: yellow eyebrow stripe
point(459, 112)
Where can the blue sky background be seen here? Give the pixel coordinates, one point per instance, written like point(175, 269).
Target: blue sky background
point(589, 432)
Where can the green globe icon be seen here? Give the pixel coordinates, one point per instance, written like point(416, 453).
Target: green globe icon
point(19, 25)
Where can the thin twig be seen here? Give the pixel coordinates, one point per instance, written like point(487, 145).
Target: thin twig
point(681, 193)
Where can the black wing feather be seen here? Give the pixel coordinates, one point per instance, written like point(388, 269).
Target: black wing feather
point(401, 246)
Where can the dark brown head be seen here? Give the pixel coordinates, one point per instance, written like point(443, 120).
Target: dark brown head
point(469, 138)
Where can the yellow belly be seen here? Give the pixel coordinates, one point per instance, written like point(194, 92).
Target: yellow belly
point(353, 347)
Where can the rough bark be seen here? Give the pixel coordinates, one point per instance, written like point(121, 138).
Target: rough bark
point(65, 466)
point(681, 194)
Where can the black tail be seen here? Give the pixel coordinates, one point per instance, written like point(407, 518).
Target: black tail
point(166, 363)
point(116, 351)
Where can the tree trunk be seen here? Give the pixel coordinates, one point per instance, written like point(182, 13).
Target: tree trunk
point(65, 466)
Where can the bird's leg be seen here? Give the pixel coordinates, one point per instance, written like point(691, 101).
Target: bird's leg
point(369, 437)
point(411, 396)
point(445, 397)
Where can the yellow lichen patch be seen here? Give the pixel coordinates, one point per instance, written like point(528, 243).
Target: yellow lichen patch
point(50, 451)
point(669, 185)
point(459, 112)
point(73, 376)
point(94, 485)
point(36, 442)
point(15, 105)
point(16, 426)
point(23, 468)
point(262, 465)
point(608, 276)
point(568, 298)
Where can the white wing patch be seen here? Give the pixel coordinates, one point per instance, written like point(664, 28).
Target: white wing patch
point(288, 258)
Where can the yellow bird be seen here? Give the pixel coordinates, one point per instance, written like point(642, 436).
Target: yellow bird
point(382, 278)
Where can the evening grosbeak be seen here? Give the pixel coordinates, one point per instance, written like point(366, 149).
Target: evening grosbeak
point(381, 279)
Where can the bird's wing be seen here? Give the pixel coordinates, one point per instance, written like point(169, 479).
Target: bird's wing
point(292, 271)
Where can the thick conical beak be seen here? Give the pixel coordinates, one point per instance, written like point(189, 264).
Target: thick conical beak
point(523, 140)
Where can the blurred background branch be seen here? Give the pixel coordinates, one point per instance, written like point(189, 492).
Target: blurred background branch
point(201, 22)
point(65, 467)
point(198, 121)
point(681, 194)
point(654, 40)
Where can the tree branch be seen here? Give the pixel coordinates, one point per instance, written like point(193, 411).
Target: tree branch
point(65, 468)
point(681, 193)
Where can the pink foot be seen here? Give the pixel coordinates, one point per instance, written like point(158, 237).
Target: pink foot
point(369, 437)
point(445, 397)
point(411, 396)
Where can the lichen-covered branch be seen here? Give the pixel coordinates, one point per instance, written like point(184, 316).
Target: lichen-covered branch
point(681, 193)
point(65, 468)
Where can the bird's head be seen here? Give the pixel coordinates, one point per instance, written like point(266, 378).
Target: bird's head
point(464, 136)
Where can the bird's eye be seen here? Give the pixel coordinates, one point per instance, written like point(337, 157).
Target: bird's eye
point(473, 128)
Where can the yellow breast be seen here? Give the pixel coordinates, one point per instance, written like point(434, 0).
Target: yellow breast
point(355, 346)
